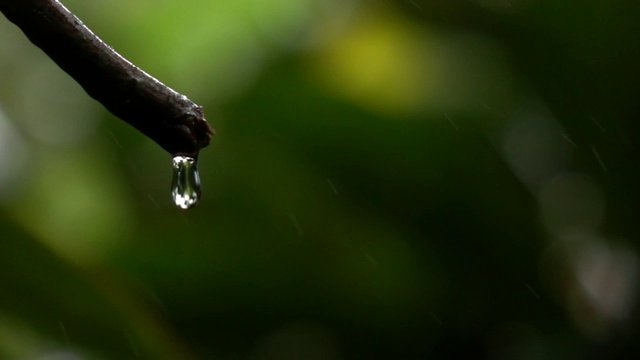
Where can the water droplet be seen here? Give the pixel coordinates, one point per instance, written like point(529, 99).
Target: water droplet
point(185, 188)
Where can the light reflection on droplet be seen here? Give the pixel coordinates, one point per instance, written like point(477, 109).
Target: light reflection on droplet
point(185, 187)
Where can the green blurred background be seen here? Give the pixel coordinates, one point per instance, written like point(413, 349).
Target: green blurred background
point(390, 180)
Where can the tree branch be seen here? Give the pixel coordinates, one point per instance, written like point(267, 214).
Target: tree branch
point(170, 119)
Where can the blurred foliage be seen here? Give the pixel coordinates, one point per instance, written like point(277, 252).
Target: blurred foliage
point(390, 180)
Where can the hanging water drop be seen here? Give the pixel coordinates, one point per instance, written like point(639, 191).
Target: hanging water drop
point(185, 187)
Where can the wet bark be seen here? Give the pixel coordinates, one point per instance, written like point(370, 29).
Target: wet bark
point(170, 119)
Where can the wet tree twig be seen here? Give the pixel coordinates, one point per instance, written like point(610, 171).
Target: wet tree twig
point(170, 119)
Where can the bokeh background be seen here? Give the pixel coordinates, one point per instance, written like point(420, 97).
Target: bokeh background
point(390, 180)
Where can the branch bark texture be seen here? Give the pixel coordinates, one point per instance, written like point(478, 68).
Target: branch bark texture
point(170, 119)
